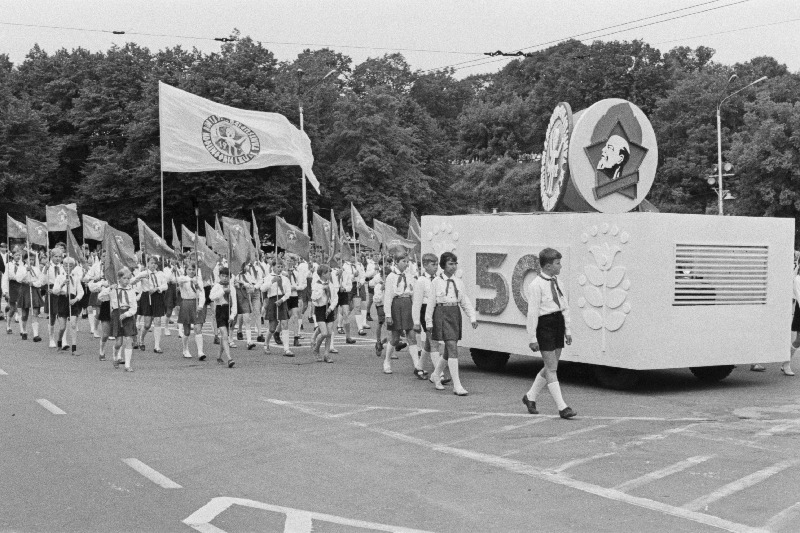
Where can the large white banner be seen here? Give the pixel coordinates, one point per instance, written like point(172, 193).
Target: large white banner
point(199, 135)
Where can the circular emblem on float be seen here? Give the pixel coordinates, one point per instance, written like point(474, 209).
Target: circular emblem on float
point(555, 170)
point(229, 141)
point(612, 156)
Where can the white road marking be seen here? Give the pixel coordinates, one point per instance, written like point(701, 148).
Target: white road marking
point(780, 428)
point(2, 373)
point(297, 520)
point(503, 429)
point(738, 485)
point(348, 413)
point(558, 438)
point(726, 440)
point(521, 468)
point(582, 460)
point(784, 518)
point(448, 422)
point(662, 473)
point(154, 476)
point(401, 417)
point(50, 407)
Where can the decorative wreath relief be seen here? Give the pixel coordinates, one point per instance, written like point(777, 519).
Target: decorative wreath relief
point(605, 287)
point(444, 239)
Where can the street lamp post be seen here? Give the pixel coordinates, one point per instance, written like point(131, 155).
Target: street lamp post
point(719, 134)
point(302, 172)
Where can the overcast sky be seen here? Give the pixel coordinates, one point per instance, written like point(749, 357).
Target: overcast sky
point(440, 32)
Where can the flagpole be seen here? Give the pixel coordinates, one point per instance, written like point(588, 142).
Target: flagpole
point(303, 182)
point(69, 280)
point(276, 237)
point(197, 238)
point(28, 245)
point(162, 193)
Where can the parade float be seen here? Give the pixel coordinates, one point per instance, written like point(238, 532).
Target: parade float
point(647, 290)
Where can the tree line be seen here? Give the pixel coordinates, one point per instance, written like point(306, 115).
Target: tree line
point(81, 126)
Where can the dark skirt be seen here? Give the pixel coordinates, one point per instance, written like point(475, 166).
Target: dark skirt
point(222, 314)
point(171, 297)
point(322, 314)
point(362, 292)
point(29, 297)
point(796, 318)
point(446, 323)
point(122, 328)
point(93, 301)
point(84, 302)
point(188, 312)
point(550, 331)
point(293, 302)
point(151, 305)
point(243, 301)
point(13, 291)
point(277, 311)
point(401, 315)
point(344, 298)
point(354, 291)
point(305, 294)
point(105, 311)
point(64, 310)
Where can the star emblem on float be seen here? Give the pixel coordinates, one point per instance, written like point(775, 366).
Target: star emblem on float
point(616, 153)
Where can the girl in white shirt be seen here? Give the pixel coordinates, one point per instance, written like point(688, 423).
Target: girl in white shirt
point(223, 294)
point(324, 302)
point(192, 313)
point(30, 279)
point(153, 285)
point(123, 318)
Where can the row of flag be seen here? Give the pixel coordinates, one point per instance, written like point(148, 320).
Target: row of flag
point(235, 239)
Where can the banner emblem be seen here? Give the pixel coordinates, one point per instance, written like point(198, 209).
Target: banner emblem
point(555, 170)
point(229, 141)
point(290, 236)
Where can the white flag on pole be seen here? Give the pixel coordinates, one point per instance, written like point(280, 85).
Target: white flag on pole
point(199, 135)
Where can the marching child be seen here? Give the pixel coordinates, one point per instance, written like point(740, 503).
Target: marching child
point(398, 290)
point(443, 318)
point(278, 289)
point(192, 313)
point(30, 280)
point(423, 298)
point(102, 291)
point(13, 287)
point(324, 311)
point(151, 303)
point(69, 289)
point(243, 301)
point(223, 294)
point(171, 296)
point(93, 274)
point(548, 329)
point(123, 318)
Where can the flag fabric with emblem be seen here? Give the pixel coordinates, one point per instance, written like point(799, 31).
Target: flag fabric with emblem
point(151, 243)
point(93, 228)
point(37, 232)
point(15, 229)
point(74, 249)
point(291, 238)
point(366, 235)
point(119, 252)
point(240, 247)
point(415, 235)
point(62, 217)
point(187, 237)
point(207, 259)
point(389, 237)
point(216, 241)
point(176, 240)
point(198, 135)
point(344, 246)
point(321, 230)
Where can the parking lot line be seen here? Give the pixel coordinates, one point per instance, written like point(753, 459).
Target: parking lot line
point(738, 485)
point(50, 406)
point(503, 429)
point(784, 518)
point(662, 473)
point(156, 477)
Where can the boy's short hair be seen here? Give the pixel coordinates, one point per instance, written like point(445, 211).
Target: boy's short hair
point(224, 272)
point(447, 257)
point(548, 255)
point(429, 258)
point(323, 269)
point(152, 258)
point(123, 271)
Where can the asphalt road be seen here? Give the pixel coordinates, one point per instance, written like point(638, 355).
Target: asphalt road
point(279, 444)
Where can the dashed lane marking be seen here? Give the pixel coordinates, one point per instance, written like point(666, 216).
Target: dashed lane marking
point(738, 485)
point(297, 520)
point(50, 407)
point(664, 472)
point(156, 477)
point(525, 469)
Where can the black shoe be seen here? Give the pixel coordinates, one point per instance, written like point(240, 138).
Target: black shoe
point(350, 341)
point(58, 345)
point(277, 337)
point(239, 336)
point(260, 338)
point(400, 346)
point(530, 405)
point(445, 381)
point(378, 348)
point(65, 347)
point(202, 358)
point(231, 363)
point(362, 333)
point(296, 341)
point(369, 318)
point(74, 350)
point(24, 336)
point(421, 374)
point(157, 350)
point(142, 348)
point(216, 339)
point(251, 346)
point(567, 413)
point(102, 357)
point(37, 338)
point(311, 320)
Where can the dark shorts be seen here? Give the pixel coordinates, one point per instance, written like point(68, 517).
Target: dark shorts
point(354, 291)
point(362, 292)
point(64, 310)
point(796, 318)
point(122, 328)
point(13, 291)
point(305, 294)
point(222, 315)
point(446, 323)
point(29, 297)
point(277, 311)
point(171, 297)
point(188, 312)
point(344, 298)
point(323, 316)
point(84, 303)
point(207, 291)
point(93, 301)
point(401, 315)
point(151, 305)
point(550, 332)
point(293, 302)
point(105, 311)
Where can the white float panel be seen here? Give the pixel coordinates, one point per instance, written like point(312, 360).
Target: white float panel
point(646, 290)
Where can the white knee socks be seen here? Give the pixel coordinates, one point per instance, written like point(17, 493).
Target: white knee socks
point(413, 350)
point(157, 336)
point(128, 355)
point(538, 384)
point(35, 327)
point(361, 320)
point(198, 340)
point(452, 364)
point(555, 392)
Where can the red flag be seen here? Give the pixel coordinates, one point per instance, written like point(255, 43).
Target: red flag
point(16, 229)
point(366, 235)
point(119, 252)
point(207, 260)
point(74, 249)
point(415, 235)
point(240, 247)
point(321, 229)
point(37, 232)
point(389, 237)
point(291, 238)
point(176, 241)
point(217, 226)
point(187, 237)
point(151, 243)
point(93, 228)
point(334, 232)
point(256, 238)
point(216, 241)
point(62, 217)
point(344, 245)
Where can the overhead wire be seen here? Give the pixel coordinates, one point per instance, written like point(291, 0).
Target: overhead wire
point(730, 31)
